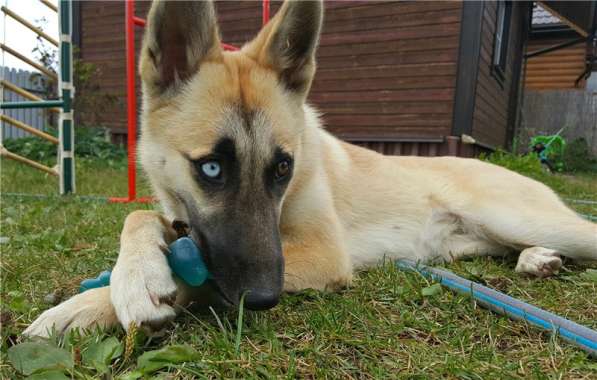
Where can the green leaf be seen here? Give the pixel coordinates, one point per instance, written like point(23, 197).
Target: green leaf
point(431, 290)
point(131, 375)
point(99, 355)
point(30, 357)
point(151, 361)
point(18, 302)
point(48, 375)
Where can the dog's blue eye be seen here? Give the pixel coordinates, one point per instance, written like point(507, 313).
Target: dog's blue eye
point(211, 169)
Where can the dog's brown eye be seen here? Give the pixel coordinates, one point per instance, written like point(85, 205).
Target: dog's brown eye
point(282, 169)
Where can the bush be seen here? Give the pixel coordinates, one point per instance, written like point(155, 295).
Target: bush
point(577, 157)
point(89, 143)
point(34, 148)
point(528, 164)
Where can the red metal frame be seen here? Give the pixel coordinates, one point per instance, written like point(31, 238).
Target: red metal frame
point(130, 20)
point(264, 12)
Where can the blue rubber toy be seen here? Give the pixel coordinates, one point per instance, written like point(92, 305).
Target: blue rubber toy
point(186, 262)
point(100, 281)
point(184, 259)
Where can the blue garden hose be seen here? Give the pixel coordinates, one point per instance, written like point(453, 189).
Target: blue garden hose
point(500, 303)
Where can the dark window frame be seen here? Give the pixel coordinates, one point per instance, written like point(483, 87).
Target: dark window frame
point(501, 39)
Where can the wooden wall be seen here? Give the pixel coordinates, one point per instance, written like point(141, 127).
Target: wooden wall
point(386, 70)
point(495, 107)
point(103, 44)
point(555, 70)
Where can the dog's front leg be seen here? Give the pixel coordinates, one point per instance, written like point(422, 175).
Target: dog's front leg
point(143, 289)
point(316, 259)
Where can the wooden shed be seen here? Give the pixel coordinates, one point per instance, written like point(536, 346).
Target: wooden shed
point(398, 77)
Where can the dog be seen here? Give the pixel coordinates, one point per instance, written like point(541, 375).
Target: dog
point(275, 202)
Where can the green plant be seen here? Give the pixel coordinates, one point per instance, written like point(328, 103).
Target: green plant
point(528, 164)
point(92, 142)
point(577, 157)
point(33, 148)
point(89, 142)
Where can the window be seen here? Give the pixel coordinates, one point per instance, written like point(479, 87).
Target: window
point(502, 34)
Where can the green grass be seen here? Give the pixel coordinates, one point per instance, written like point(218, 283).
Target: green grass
point(382, 327)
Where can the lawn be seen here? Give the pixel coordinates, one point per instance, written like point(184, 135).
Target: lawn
point(385, 326)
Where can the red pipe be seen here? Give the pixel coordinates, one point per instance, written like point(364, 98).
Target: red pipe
point(131, 98)
point(126, 200)
point(229, 47)
point(265, 12)
point(139, 21)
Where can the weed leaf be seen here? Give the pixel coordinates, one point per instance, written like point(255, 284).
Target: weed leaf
point(48, 375)
point(131, 375)
point(30, 357)
point(99, 355)
point(151, 361)
point(431, 290)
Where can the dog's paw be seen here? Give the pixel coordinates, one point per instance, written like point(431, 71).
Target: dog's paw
point(83, 311)
point(539, 261)
point(143, 291)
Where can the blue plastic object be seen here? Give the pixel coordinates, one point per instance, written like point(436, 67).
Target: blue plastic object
point(184, 259)
point(186, 262)
point(103, 279)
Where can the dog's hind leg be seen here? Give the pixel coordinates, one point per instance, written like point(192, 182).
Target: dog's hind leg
point(86, 310)
point(572, 237)
point(568, 234)
point(542, 236)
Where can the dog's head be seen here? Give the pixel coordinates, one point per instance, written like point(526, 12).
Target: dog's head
point(222, 133)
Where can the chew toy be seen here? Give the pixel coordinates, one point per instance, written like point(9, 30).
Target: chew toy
point(103, 279)
point(184, 259)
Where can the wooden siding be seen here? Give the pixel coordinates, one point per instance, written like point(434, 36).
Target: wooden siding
point(103, 44)
point(495, 100)
point(388, 69)
point(449, 146)
point(556, 70)
point(385, 69)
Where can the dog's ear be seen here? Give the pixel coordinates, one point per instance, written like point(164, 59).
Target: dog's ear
point(288, 44)
point(179, 36)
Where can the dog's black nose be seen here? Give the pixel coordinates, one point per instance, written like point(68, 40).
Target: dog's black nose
point(261, 299)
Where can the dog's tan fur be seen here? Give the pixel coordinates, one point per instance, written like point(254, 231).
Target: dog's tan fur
point(345, 208)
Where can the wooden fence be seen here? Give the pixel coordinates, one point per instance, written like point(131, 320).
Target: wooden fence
point(546, 112)
point(35, 117)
